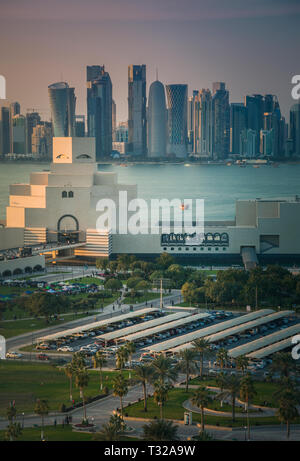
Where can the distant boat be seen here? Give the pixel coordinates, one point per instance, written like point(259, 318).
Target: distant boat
point(187, 164)
point(256, 166)
point(228, 164)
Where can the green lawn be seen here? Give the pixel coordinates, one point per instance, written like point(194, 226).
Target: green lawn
point(58, 434)
point(265, 391)
point(173, 410)
point(19, 327)
point(26, 382)
point(142, 299)
point(86, 281)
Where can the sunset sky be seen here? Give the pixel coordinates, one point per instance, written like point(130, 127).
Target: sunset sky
point(252, 45)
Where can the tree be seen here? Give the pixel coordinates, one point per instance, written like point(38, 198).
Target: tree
point(143, 373)
point(160, 431)
point(222, 357)
point(69, 372)
point(231, 388)
point(102, 263)
point(130, 346)
point(188, 291)
point(160, 395)
point(283, 363)
point(13, 431)
point(187, 364)
point(113, 284)
point(82, 381)
point(99, 360)
point(110, 432)
point(202, 347)
point(242, 363)
point(165, 260)
point(287, 410)
point(164, 370)
point(120, 389)
point(122, 355)
point(247, 393)
point(42, 409)
point(143, 286)
point(201, 399)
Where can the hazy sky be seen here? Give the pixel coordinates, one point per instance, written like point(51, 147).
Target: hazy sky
point(252, 45)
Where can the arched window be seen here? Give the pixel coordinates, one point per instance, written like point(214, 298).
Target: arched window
point(71, 194)
point(64, 194)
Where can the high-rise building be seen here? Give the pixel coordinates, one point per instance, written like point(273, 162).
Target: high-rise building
point(15, 108)
point(248, 143)
point(113, 116)
point(32, 120)
point(19, 135)
point(42, 140)
point(295, 128)
point(5, 130)
point(238, 123)
point(177, 95)
point(80, 126)
point(99, 109)
point(137, 124)
point(266, 142)
point(202, 123)
point(157, 120)
point(220, 121)
point(62, 103)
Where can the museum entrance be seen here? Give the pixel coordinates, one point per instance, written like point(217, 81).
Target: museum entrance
point(68, 230)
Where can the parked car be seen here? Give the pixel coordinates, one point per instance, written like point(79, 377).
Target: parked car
point(13, 355)
point(43, 357)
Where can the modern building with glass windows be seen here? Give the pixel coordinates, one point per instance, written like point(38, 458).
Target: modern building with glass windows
point(137, 119)
point(157, 120)
point(220, 121)
point(177, 96)
point(62, 103)
point(99, 109)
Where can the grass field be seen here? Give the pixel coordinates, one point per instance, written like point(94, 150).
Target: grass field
point(265, 391)
point(173, 409)
point(142, 299)
point(27, 382)
point(57, 433)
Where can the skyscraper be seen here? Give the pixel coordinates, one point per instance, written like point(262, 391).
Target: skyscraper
point(177, 119)
point(157, 120)
point(19, 134)
point(32, 120)
point(80, 126)
point(5, 130)
point(99, 109)
point(220, 121)
point(238, 123)
point(295, 128)
point(202, 123)
point(137, 125)
point(62, 103)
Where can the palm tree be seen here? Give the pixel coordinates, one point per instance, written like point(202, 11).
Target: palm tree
point(222, 357)
point(42, 409)
point(131, 350)
point(82, 381)
point(160, 395)
point(69, 372)
point(121, 357)
point(287, 410)
point(111, 431)
point(120, 389)
point(99, 360)
point(203, 348)
point(242, 363)
point(143, 373)
point(13, 431)
point(231, 388)
point(11, 413)
point(283, 363)
point(187, 364)
point(247, 392)
point(160, 431)
point(201, 399)
point(164, 370)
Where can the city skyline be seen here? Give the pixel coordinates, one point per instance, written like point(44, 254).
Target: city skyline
point(257, 63)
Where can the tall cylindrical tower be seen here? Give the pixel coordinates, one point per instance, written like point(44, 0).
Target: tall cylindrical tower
point(157, 120)
point(177, 119)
